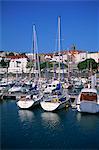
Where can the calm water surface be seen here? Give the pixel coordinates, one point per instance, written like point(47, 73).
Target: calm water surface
point(36, 129)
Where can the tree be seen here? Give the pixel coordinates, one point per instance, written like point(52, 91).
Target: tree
point(4, 63)
point(30, 65)
point(88, 64)
point(50, 65)
point(46, 64)
point(11, 54)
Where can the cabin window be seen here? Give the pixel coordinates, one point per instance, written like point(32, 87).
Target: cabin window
point(54, 86)
point(88, 96)
point(49, 85)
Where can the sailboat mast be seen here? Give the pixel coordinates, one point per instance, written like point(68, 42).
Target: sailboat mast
point(54, 70)
point(36, 52)
point(59, 30)
point(34, 49)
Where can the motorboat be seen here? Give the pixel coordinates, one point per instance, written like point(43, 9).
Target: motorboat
point(88, 101)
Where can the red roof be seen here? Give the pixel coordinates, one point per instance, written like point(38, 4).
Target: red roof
point(49, 54)
point(17, 56)
point(74, 51)
point(66, 52)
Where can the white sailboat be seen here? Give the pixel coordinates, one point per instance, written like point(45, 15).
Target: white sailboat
point(57, 97)
point(4, 84)
point(16, 88)
point(54, 85)
point(55, 100)
point(30, 100)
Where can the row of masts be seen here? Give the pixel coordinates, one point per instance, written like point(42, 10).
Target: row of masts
point(35, 50)
point(36, 60)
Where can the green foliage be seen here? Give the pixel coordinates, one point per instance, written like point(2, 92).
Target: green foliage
point(10, 54)
point(46, 65)
point(4, 64)
point(50, 65)
point(88, 64)
point(30, 64)
point(43, 65)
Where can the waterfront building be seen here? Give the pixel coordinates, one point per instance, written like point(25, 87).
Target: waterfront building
point(17, 64)
point(2, 54)
point(94, 55)
point(72, 57)
point(30, 56)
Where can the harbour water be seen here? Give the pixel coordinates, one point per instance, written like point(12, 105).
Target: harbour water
point(36, 129)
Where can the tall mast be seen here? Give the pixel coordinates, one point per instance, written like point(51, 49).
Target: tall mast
point(68, 60)
point(54, 70)
point(34, 48)
point(59, 35)
point(36, 51)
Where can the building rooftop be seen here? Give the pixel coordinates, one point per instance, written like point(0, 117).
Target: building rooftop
point(17, 56)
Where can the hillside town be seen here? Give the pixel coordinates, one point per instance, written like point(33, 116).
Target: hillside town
point(18, 61)
point(49, 75)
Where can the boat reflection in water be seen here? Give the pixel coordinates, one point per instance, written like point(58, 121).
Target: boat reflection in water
point(87, 121)
point(26, 115)
point(50, 119)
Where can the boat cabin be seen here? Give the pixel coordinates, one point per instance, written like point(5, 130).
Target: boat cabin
point(88, 96)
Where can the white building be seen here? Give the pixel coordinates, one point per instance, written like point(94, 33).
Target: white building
point(81, 56)
point(30, 56)
point(76, 56)
point(18, 64)
point(85, 55)
point(94, 55)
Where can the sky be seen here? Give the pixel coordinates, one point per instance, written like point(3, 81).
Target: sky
point(79, 25)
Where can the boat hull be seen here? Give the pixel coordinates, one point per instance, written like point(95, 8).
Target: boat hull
point(50, 106)
point(27, 104)
point(88, 107)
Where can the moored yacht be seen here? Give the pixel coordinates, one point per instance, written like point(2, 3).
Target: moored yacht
point(56, 97)
point(88, 101)
point(34, 95)
point(30, 100)
point(54, 85)
point(6, 84)
point(55, 100)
